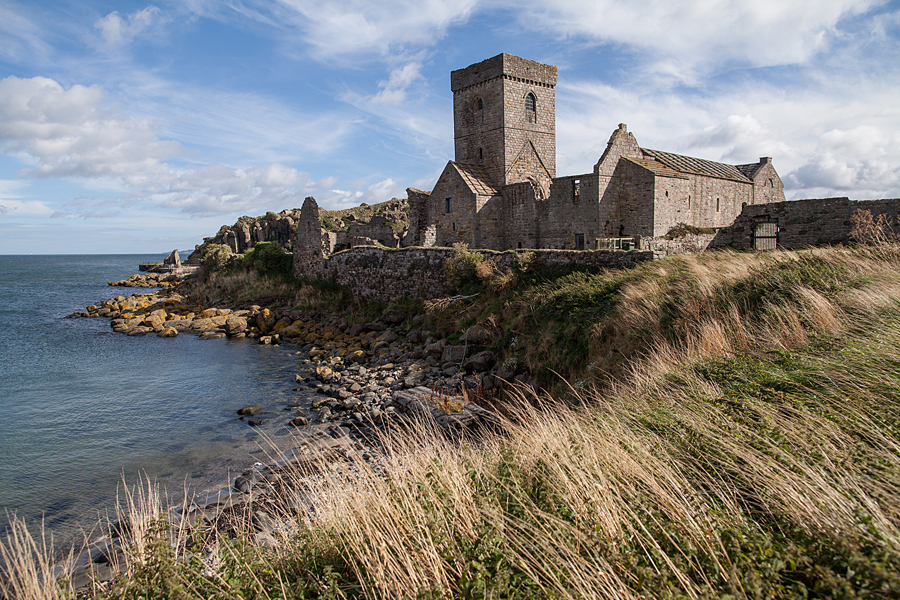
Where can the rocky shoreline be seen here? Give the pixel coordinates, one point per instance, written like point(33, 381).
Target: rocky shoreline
point(367, 378)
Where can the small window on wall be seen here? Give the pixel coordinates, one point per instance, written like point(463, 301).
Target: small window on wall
point(531, 107)
point(479, 154)
point(448, 205)
point(579, 241)
point(520, 245)
point(717, 205)
point(576, 190)
point(454, 227)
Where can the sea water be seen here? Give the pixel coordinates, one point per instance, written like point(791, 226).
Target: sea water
point(83, 409)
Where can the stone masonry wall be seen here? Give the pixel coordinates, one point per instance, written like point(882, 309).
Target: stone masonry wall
point(386, 275)
point(803, 223)
point(491, 125)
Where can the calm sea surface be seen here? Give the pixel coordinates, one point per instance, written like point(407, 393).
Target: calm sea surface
point(82, 408)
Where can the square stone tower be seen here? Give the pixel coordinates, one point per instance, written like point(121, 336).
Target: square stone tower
point(504, 119)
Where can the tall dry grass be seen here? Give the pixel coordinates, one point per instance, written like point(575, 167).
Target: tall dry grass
point(29, 569)
point(751, 448)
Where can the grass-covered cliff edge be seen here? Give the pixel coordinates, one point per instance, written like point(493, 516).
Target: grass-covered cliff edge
point(721, 425)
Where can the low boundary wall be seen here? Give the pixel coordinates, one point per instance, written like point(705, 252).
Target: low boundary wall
point(388, 274)
point(801, 223)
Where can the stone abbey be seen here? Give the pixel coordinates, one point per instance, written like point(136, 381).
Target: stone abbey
point(501, 190)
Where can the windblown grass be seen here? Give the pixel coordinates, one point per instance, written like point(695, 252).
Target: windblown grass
point(743, 442)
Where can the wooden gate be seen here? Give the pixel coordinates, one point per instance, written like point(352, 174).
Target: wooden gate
point(765, 236)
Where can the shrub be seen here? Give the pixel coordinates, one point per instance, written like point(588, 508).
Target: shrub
point(872, 230)
point(216, 257)
point(460, 268)
point(269, 259)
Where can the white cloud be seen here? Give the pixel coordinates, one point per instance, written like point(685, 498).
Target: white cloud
point(73, 134)
point(361, 28)
point(737, 139)
point(680, 38)
point(393, 91)
point(862, 158)
point(382, 191)
point(11, 204)
point(117, 31)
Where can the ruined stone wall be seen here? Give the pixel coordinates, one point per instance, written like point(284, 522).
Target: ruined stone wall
point(311, 243)
point(386, 275)
point(803, 223)
point(687, 244)
point(418, 218)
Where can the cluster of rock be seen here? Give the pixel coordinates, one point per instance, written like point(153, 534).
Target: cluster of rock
point(150, 280)
point(249, 231)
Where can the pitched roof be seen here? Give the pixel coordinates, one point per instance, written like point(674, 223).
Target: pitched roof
point(697, 166)
point(476, 178)
point(656, 167)
point(751, 169)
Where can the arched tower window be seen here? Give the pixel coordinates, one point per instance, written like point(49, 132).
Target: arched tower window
point(530, 108)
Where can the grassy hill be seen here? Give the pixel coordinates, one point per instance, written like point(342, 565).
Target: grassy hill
point(727, 425)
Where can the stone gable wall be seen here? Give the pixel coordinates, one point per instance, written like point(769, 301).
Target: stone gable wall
point(767, 185)
point(460, 224)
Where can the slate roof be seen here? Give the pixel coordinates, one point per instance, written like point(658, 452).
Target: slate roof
point(751, 169)
point(476, 178)
point(656, 167)
point(698, 166)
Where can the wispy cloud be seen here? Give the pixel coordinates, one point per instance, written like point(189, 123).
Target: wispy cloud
point(681, 40)
point(22, 40)
point(393, 91)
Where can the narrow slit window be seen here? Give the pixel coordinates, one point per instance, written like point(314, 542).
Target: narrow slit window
point(717, 205)
point(576, 190)
point(448, 205)
point(531, 107)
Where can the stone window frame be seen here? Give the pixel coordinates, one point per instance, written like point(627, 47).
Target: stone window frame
point(579, 241)
point(531, 107)
point(576, 189)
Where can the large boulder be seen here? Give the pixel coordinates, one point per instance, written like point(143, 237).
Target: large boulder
point(234, 325)
point(453, 354)
point(173, 260)
point(482, 361)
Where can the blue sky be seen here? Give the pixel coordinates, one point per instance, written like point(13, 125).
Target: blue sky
point(142, 127)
